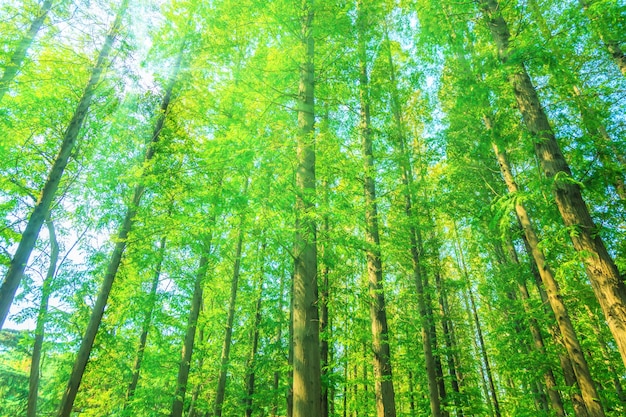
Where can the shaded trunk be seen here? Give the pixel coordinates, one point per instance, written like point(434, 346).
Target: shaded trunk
point(42, 207)
point(451, 360)
point(307, 389)
point(33, 381)
point(601, 270)
point(556, 401)
point(190, 334)
point(385, 396)
point(279, 336)
point(225, 357)
point(574, 350)
point(14, 65)
point(114, 262)
point(324, 323)
point(250, 377)
point(145, 327)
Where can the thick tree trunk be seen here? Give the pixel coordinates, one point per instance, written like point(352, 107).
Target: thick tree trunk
point(385, 396)
point(228, 335)
point(603, 274)
point(114, 262)
point(14, 65)
point(307, 389)
point(29, 236)
point(33, 382)
point(613, 161)
point(145, 327)
point(190, 334)
point(581, 368)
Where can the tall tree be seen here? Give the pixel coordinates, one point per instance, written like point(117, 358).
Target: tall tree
point(14, 65)
point(115, 260)
point(31, 232)
point(306, 349)
point(605, 279)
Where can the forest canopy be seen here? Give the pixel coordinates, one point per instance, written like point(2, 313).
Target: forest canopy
point(312, 208)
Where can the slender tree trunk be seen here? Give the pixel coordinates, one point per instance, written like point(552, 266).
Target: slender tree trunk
point(145, 327)
point(225, 358)
point(307, 389)
point(587, 386)
point(190, 334)
point(612, 45)
point(33, 382)
point(603, 274)
point(42, 207)
point(451, 347)
point(279, 336)
point(114, 262)
point(289, 396)
point(385, 396)
point(14, 65)
point(250, 377)
point(556, 402)
point(324, 320)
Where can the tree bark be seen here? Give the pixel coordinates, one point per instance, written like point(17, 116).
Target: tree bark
point(116, 258)
point(190, 334)
point(556, 402)
point(306, 341)
point(145, 327)
point(15, 64)
point(42, 207)
point(33, 382)
point(581, 368)
point(385, 395)
point(228, 334)
point(255, 344)
point(603, 274)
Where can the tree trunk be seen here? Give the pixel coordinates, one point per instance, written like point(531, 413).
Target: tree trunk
point(42, 207)
point(324, 320)
point(612, 45)
point(145, 328)
point(385, 396)
point(550, 381)
point(306, 342)
point(279, 336)
point(33, 382)
point(451, 347)
point(587, 386)
point(114, 262)
point(225, 358)
point(603, 274)
point(14, 65)
point(255, 341)
point(190, 335)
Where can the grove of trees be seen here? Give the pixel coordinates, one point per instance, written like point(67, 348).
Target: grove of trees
point(313, 208)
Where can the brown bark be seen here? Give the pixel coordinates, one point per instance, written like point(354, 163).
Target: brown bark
point(250, 377)
point(190, 334)
point(228, 334)
point(603, 274)
point(42, 207)
point(556, 401)
point(145, 327)
point(33, 381)
point(306, 342)
point(385, 395)
point(15, 64)
point(581, 368)
point(114, 262)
